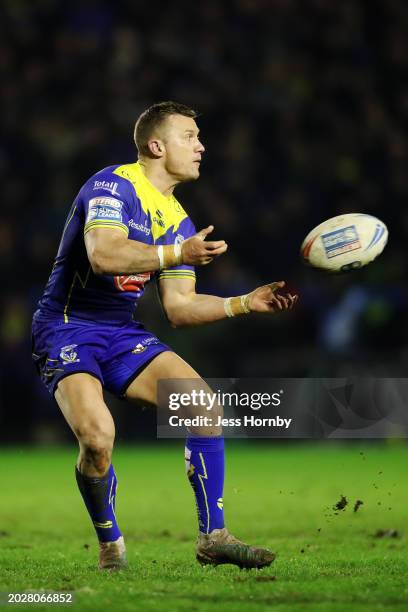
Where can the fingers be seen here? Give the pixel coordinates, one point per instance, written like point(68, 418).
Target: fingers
point(208, 257)
point(214, 245)
point(292, 299)
point(277, 285)
point(217, 251)
point(284, 302)
point(276, 301)
point(204, 232)
point(266, 298)
point(210, 254)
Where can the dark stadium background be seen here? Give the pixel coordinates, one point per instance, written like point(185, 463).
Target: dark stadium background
point(304, 116)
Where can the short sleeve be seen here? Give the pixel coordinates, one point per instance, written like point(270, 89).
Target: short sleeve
point(107, 202)
point(184, 231)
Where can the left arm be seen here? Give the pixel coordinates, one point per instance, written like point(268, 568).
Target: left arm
point(184, 307)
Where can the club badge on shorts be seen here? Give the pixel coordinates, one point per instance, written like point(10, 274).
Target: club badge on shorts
point(139, 348)
point(68, 355)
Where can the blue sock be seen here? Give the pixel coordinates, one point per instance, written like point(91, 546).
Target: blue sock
point(205, 470)
point(99, 495)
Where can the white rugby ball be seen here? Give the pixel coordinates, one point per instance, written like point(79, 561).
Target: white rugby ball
point(344, 243)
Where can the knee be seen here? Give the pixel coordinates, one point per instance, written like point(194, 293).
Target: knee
point(96, 444)
point(96, 435)
point(210, 422)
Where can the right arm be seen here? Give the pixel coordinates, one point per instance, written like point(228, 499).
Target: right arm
point(110, 252)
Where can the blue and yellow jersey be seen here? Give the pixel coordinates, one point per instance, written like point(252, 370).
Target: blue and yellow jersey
point(120, 197)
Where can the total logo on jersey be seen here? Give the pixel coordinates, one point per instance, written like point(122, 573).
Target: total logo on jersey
point(108, 186)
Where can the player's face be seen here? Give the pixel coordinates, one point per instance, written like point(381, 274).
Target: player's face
point(183, 149)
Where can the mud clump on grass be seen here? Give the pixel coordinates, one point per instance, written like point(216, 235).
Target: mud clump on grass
point(357, 505)
point(265, 578)
point(387, 533)
point(341, 504)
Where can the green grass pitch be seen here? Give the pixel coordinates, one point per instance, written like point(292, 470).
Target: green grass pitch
point(281, 496)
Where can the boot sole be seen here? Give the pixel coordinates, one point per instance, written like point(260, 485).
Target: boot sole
point(204, 559)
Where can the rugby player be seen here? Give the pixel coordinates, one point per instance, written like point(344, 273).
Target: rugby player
point(124, 228)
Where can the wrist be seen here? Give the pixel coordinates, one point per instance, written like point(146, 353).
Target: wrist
point(238, 305)
point(170, 255)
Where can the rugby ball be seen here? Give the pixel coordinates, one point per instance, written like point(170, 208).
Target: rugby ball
point(344, 243)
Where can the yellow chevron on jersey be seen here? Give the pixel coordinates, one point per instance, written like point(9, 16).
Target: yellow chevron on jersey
point(165, 212)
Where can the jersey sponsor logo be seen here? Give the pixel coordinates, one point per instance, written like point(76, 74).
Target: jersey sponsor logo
point(102, 201)
point(68, 355)
point(179, 239)
point(139, 227)
point(134, 282)
point(104, 208)
point(159, 218)
point(102, 212)
point(107, 185)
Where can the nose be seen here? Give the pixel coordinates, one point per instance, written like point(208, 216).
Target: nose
point(200, 148)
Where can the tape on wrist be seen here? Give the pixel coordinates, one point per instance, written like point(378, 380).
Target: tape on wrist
point(234, 306)
point(177, 253)
point(245, 303)
point(160, 253)
point(170, 255)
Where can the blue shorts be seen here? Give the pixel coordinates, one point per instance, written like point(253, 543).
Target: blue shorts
point(115, 353)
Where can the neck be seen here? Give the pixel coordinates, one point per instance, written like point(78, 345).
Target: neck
point(158, 176)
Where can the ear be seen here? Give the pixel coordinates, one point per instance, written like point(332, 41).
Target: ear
point(156, 147)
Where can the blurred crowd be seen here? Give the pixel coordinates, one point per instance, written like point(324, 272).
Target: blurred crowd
point(304, 112)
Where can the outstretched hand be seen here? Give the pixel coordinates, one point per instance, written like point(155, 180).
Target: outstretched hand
point(266, 298)
point(196, 251)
